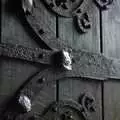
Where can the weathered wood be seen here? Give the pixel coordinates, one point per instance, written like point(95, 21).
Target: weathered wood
point(111, 100)
point(89, 41)
point(72, 88)
point(111, 43)
point(111, 28)
point(14, 73)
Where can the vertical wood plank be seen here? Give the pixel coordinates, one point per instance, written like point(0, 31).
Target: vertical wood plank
point(13, 74)
point(111, 100)
point(111, 28)
point(89, 41)
point(111, 43)
point(72, 88)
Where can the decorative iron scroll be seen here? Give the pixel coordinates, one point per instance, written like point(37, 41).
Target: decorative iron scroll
point(72, 8)
point(77, 9)
point(63, 110)
point(65, 7)
point(70, 63)
point(71, 110)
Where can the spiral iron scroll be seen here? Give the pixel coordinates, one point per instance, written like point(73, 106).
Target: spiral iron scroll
point(64, 110)
point(77, 9)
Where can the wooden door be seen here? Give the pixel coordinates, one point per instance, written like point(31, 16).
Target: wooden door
point(101, 38)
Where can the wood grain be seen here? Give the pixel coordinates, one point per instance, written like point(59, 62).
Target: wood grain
point(111, 48)
point(13, 73)
point(111, 28)
point(111, 100)
point(72, 88)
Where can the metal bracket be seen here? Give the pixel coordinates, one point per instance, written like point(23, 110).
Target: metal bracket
point(82, 22)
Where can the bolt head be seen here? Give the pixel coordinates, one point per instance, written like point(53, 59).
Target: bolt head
point(68, 115)
point(66, 60)
point(25, 103)
point(41, 80)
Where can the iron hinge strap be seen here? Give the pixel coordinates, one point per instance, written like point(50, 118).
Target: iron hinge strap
point(34, 55)
point(84, 64)
point(51, 75)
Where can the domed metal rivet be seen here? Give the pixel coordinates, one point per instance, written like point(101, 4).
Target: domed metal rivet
point(41, 80)
point(25, 103)
point(54, 109)
point(41, 55)
point(68, 115)
point(66, 60)
point(41, 31)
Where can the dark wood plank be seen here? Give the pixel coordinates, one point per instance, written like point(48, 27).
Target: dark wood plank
point(72, 88)
point(111, 100)
point(111, 43)
point(14, 73)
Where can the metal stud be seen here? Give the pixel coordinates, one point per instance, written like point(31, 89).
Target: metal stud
point(25, 103)
point(66, 60)
point(41, 80)
point(68, 116)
